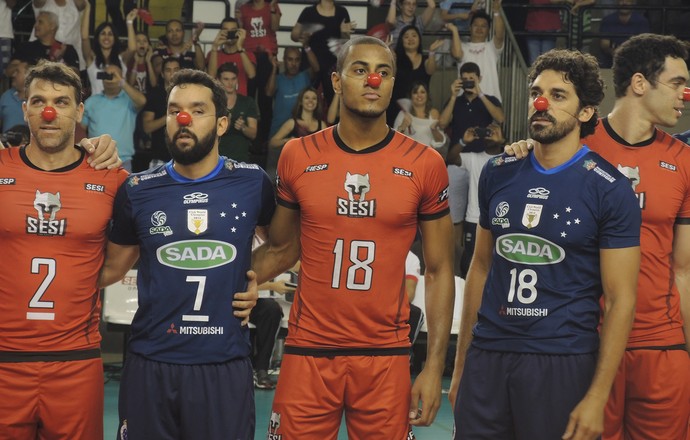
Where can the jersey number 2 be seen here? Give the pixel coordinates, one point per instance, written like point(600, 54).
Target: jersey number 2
point(36, 302)
point(361, 255)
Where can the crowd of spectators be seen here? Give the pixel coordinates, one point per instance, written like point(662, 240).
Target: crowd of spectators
point(270, 100)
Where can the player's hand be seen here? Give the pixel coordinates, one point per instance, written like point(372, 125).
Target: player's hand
point(426, 388)
point(102, 152)
point(520, 149)
point(586, 421)
point(244, 302)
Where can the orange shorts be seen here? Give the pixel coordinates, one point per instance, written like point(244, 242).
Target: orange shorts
point(51, 400)
point(313, 392)
point(650, 398)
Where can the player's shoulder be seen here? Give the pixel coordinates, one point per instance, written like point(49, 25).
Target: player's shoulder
point(144, 179)
point(504, 161)
point(602, 172)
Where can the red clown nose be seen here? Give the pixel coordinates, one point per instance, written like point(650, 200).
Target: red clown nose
point(184, 118)
point(541, 104)
point(49, 114)
point(374, 79)
point(686, 94)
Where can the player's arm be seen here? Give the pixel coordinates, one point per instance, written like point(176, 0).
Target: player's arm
point(437, 245)
point(619, 268)
point(681, 269)
point(281, 250)
point(472, 299)
point(118, 260)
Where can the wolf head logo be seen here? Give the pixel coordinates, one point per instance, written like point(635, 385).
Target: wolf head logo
point(274, 422)
point(357, 185)
point(633, 175)
point(47, 204)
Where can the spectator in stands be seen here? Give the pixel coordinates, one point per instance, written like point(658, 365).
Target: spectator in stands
point(189, 52)
point(11, 112)
point(261, 20)
point(69, 21)
point(6, 32)
point(332, 22)
point(412, 66)
point(420, 121)
point(459, 12)
point(542, 20)
point(103, 50)
point(46, 47)
point(228, 47)
point(114, 112)
point(285, 87)
point(484, 49)
point(493, 141)
point(626, 22)
point(408, 17)
point(155, 112)
point(306, 119)
point(142, 75)
point(243, 117)
point(467, 109)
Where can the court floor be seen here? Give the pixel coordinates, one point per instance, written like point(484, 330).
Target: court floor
point(441, 429)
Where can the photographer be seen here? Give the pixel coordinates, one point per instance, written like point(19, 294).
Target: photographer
point(228, 47)
point(468, 112)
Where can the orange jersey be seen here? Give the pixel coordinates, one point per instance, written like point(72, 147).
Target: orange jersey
point(53, 232)
point(359, 213)
point(659, 171)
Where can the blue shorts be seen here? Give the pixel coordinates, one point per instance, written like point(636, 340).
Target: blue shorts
point(169, 401)
point(519, 396)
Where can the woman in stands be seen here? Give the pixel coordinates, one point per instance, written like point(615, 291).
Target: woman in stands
point(305, 119)
point(420, 121)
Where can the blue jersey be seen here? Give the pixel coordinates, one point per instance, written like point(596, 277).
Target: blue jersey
point(543, 289)
point(195, 239)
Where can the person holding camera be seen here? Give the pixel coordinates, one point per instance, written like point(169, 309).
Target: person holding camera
point(228, 47)
point(469, 111)
point(117, 106)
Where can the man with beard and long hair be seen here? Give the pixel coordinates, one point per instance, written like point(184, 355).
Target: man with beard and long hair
point(350, 200)
point(650, 395)
point(191, 221)
point(556, 232)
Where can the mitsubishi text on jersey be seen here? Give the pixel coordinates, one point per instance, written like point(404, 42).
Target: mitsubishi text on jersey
point(542, 293)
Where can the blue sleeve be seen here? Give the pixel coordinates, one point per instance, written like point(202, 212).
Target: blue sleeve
point(268, 201)
point(85, 120)
point(621, 219)
point(483, 197)
point(123, 230)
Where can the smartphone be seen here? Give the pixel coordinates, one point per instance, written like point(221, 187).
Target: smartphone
point(104, 75)
point(289, 284)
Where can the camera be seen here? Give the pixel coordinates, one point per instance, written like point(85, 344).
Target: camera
point(12, 138)
point(104, 75)
point(231, 35)
point(468, 84)
point(482, 132)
